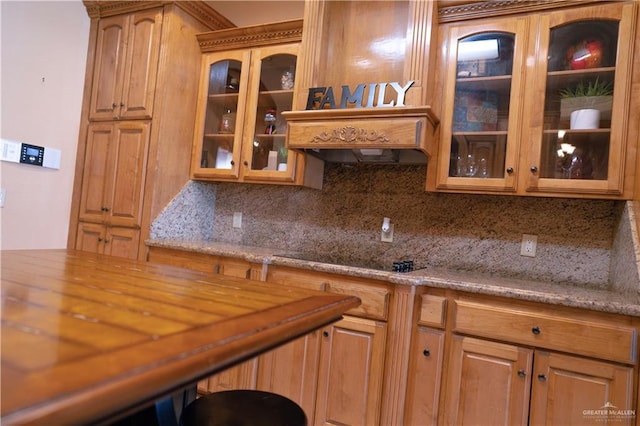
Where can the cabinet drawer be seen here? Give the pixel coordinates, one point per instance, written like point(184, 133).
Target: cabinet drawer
point(432, 310)
point(582, 335)
point(375, 300)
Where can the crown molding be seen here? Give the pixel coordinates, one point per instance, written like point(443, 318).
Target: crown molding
point(197, 8)
point(493, 8)
point(254, 35)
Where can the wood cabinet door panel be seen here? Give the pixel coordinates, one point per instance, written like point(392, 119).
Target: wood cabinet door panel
point(109, 67)
point(423, 394)
point(351, 371)
point(242, 376)
point(94, 178)
point(488, 383)
point(129, 159)
point(566, 388)
point(90, 237)
point(292, 371)
point(122, 242)
point(141, 66)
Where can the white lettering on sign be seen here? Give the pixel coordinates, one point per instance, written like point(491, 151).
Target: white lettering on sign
point(324, 97)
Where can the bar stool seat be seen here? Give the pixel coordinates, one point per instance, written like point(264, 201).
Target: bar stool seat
point(243, 408)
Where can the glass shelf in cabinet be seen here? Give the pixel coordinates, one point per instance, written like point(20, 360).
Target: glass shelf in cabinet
point(557, 80)
point(225, 136)
point(502, 82)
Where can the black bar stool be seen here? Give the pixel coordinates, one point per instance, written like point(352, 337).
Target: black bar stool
point(243, 408)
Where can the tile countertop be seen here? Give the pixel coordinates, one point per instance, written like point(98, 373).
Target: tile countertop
point(536, 291)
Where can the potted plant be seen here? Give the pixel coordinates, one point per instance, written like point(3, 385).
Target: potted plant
point(592, 99)
point(282, 158)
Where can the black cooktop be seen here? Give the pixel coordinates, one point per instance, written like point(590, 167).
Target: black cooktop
point(399, 266)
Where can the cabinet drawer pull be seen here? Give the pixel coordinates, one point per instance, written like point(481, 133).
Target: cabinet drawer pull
point(522, 373)
point(534, 169)
point(426, 352)
point(325, 333)
point(509, 170)
point(536, 330)
point(542, 377)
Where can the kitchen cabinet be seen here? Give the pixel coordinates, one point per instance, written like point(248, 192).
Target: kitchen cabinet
point(351, 372)
point(138, 108)
point(240, 131)
point(110, 240)
point(426, 362)
point(127, 52)
point(340, 377)
point(545, 368)
point(114, 172)
point(505, 128)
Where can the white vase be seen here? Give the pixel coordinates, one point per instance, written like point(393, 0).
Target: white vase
point(585, 119)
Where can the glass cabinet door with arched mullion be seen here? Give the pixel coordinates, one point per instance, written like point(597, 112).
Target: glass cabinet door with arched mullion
point(265, 155)
point(581, 143)
point(219, 133)
point(479, 126)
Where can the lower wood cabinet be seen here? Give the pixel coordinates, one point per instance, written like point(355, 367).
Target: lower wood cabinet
point(110, 240)
point(468, 359)
point(423, 391)
point(351, 373)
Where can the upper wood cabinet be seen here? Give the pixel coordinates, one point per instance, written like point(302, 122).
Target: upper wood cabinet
point(506, 127)
point(128, 47)
point(240, 131)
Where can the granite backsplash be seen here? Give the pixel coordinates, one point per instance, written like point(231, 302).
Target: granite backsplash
point(584, 242)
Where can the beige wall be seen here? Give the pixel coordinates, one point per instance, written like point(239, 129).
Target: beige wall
point(43, 59)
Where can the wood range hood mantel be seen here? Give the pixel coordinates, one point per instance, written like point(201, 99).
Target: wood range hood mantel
point(362, 128)
point(370, 45)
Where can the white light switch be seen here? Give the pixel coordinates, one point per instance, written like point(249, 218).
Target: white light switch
point(3, 196)
point(237, 219)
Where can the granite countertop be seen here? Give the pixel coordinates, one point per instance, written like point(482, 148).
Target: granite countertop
point(552, 293)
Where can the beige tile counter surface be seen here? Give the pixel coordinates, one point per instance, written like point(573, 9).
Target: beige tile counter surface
point(612, 301)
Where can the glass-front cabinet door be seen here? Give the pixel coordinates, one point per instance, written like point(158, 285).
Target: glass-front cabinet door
point(265, 157)
point(218, 134)
point(241, 133)
point(481, 118)
point(580, 103)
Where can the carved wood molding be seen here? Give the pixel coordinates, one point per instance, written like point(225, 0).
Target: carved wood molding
point(196, 8)
point(493, 8)
point(254, 35)
point(351, 135)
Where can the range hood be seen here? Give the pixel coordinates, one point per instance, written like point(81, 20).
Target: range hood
point(387, 135)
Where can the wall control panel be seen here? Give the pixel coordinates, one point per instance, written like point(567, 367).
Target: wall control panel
point(18, 152)
point(31, 154)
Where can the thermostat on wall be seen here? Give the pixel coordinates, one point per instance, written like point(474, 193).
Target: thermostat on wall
point(18, 152)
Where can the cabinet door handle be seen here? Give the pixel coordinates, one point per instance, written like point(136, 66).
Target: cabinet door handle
point(106, 241)
point(113, 105)
point(522, 373)
point(509, 170)
point(426, 352)
point(121, 104)
point(246, 163)
point(536, 330)
point(233, 163)
point(325, 333)
point(542, 377)
point(99, 239)
point(534, 169)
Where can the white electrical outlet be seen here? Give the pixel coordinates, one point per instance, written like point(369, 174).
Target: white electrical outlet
point(3, 196)
point(529, 245)
point(237, 219)
point(387, 237)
